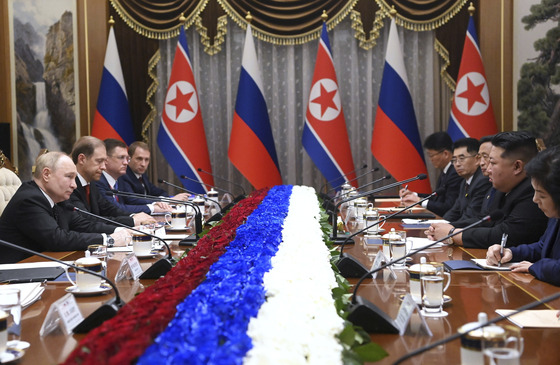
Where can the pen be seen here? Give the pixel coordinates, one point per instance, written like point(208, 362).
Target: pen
point(502, 245)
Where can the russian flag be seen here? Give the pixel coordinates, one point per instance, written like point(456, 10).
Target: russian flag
point(471, 113)
point(181, 136)
point(324, 134)
point(251, 145)
point(112, 117)
point(396, 141)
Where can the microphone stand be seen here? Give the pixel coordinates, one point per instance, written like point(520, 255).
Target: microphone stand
point(367, 315)
point(160, 267)
point(226, 180)
point(348, 265)
point(354, 179)
point(386, 187)
point(197, 216)
point(345, 175)
point(492, 321)
point(386, 177)
point(215, 217)
point(108, 310)
point(212, 186)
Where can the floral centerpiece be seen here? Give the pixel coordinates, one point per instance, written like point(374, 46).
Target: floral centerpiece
point(260, 289)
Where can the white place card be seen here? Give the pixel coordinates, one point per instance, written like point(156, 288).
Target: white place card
point(407, 308)
point(380, 259)
point(64, 313)
point(129, 269)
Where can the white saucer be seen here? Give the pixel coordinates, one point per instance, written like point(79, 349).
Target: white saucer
point(147, 255)
point(446, 299)
point(434, 315)
point(103, 289)
point(169, 228)
point(11, 355)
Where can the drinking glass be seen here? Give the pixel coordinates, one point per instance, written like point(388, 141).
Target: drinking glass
point(10, 304)
point(432, 300)
point(503, 347)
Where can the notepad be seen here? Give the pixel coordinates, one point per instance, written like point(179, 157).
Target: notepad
point(504, 267)
point(475, 264)
point(421, 223)
point(538, 318)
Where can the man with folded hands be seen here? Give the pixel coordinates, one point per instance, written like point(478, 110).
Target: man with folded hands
point(38, 218)
point(90, 158)
point(523, 221)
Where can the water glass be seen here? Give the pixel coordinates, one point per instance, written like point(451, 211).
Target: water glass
point(432, 286)
point(10, 304)
point(502, 348)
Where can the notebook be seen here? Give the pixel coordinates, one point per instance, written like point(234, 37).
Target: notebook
point(30, 274)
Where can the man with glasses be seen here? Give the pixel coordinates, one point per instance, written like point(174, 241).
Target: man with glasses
point(438, 146)
point(474, 185)
point(523, 221)
point(117, 163)
point(90, 157)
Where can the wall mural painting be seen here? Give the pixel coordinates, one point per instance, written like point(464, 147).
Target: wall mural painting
point(43, 41)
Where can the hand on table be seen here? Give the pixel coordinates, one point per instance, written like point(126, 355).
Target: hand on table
point(493, 256)
point(182, 196)
point(161, 207)
point(143, 218)
point(122, 237)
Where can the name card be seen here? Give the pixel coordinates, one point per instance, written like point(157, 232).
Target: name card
point(380, 259)
point(64, 313)
point(130, 268)
point(409, 306)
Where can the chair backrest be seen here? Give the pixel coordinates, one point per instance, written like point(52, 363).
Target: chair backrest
point(9, 183)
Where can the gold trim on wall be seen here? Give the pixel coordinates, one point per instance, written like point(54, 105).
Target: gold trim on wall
point(148, 121)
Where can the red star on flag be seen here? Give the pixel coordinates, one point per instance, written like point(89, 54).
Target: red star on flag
point(473, 93)
point(326, 100)
point(181, 102)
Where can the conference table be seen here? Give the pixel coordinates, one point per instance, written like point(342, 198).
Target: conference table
point(471, 292)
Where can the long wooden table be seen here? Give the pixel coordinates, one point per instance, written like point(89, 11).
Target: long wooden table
point(471, 293)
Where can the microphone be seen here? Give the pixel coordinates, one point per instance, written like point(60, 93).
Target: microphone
point(386, 187)
point(223, 179)
point(386, 177)
point(364, 313)
point(454, 336)
point(348, 265)
point(197, 216)
point(159, 268)
point(215, 217)
point(107, 310)
point(345, 175)
point(354, 179)
point(212, 186)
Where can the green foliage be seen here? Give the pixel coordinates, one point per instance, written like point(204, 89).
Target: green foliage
point(356, 343)
point(538, 99)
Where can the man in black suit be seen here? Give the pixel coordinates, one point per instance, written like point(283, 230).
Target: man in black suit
point(117, 163)
point(474, 185)
point(37, 218)
point(90, 158)
point(136, 180)
point(523, 221)
point(439, 148)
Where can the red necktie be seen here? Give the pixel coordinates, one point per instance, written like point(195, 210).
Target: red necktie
point(86, 188)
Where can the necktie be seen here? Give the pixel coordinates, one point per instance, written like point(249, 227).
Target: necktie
point(86, 188)
point(116, 187)
point(467, 189)
point(55, 212)
point(143, 186)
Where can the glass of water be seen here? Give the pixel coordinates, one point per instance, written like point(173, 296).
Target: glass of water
point(10, 304)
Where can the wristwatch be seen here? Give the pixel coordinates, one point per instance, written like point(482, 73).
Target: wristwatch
point(110, 241)
point(450, 239)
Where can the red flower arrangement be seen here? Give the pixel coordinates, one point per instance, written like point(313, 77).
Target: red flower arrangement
point(125, 337)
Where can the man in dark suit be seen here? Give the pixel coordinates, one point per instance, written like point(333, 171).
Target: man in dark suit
point(136, 180)
point(474, 185)
point(90, 157)
point(439, 148)
point(523, 221)
point(115, 167)
point(37, 218)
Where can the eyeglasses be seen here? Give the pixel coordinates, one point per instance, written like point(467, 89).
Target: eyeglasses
point(460, 159)
point(122, 158)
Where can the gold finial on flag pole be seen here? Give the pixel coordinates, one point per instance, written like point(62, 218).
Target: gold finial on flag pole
point(471, 9)
point(248, 17)
point(392, 12)
point(182, 18)
point(111, 20)
point(324, 16)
